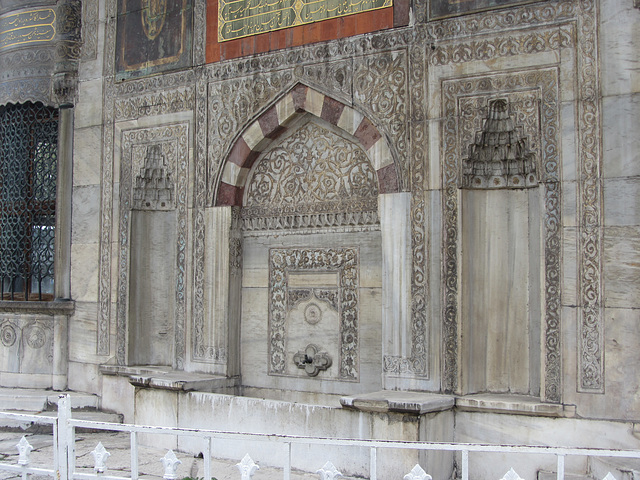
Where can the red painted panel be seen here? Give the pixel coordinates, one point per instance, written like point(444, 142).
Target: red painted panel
point(332, 29)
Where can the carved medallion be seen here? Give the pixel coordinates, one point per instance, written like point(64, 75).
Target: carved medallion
point(312, 314)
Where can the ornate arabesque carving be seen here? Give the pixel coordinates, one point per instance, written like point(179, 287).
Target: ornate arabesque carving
point(172, 142)
point(380, 84)
point(444, 41)
point(68, 46)
point(343, 260)
point(314, 176)
point(416, 363)
point(590, 193)
point(335, 77)
point(517, 43)
point(90, 19)
point(465, 103)
point(44, 71)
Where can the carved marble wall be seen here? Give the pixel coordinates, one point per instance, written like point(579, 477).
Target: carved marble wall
point(426, 89)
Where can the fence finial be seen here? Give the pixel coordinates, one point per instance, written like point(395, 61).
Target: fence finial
point(511, 475)
point(100, 456)
point(417, 473)
point(170, 463)
point(329, 472)
point(247, 467)
point(24, 449)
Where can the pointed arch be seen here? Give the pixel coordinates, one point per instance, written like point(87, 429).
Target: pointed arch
point(273, 122)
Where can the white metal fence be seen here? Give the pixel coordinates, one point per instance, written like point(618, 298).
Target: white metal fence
point(64, 456)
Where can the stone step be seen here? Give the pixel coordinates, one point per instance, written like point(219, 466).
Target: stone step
point(35, 400)
point(620, 468)
point(85, 406)
point(14, 425)
point(546, 475)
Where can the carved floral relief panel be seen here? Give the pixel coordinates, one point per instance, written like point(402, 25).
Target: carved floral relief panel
point(288, 304)
point(313, 179)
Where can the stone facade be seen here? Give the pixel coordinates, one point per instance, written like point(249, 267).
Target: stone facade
point(410, 199)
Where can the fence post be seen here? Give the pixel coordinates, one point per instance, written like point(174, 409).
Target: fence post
point(65, 449)
point(373, 464)
point(560, 472)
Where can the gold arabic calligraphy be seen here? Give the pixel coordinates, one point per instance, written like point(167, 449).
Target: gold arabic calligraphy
point(27, 27)
point(242, 18)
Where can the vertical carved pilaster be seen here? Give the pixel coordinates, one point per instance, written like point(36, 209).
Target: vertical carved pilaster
point(590, 325)
point(68, 50)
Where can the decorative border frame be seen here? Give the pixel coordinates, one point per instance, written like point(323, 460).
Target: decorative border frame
point(179, 135)
point(346, 261)
point(546, 81)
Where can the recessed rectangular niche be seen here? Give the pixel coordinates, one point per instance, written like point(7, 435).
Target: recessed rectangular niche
point(152, 287)
point(313, 312)
point(500, 291)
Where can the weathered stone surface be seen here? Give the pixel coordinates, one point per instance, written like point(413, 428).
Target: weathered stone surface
point(451, 292)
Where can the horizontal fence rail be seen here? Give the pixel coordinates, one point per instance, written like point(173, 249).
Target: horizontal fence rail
point(64, 468)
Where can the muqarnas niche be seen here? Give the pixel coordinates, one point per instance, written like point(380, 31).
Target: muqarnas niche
point(500, 156)
point(500, 292)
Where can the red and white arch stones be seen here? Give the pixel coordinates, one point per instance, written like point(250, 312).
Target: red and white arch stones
point(273, 122)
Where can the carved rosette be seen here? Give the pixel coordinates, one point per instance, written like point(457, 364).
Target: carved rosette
point(19, 335)
point(343, 260)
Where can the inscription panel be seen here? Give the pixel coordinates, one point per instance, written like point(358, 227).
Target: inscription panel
point(239, 18)
point(27, 27)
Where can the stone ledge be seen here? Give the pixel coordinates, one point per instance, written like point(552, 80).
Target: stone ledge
point(164, 378)
point(399, 401)
point(513, 404)
point(421, 403)
point(57, 307)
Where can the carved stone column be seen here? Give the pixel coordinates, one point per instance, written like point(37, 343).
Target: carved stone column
point(216, 341)
point(397, 347)
point(68, 49)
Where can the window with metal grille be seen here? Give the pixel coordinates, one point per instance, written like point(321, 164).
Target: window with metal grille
point(28, 171)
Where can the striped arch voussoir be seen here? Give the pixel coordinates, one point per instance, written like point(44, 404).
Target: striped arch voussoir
point(274, 121)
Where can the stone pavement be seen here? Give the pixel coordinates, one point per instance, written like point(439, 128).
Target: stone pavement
point(119, 463)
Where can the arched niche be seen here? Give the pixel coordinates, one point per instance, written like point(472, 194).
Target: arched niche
point(339, 253)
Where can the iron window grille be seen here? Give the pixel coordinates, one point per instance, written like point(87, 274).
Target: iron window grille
point(28, 173)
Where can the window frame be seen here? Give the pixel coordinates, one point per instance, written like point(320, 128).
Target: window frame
point(36, 116)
